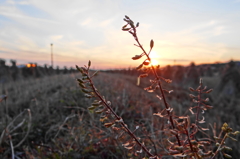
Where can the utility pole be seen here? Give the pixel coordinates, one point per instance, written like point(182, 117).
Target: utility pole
point(52, 55)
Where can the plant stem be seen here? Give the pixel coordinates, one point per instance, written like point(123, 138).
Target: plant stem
point(219, 147)
point(159, 84)
point(120, 119)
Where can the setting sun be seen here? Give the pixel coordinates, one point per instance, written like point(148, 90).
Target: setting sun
point(154, 56)
point(154, 62)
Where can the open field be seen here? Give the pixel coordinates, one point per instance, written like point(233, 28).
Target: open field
point(49, 118)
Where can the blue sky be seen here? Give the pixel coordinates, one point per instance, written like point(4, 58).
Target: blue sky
point(203, 31)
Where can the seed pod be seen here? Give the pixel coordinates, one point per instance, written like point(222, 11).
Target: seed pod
point(87, 96)
point(89, 63)
point(107, 125)
point(209, 153)
point(168, 80)
point(137, 25)
point(96, 103)
point(127, 17)
point(100, 111)
point(109, 103)
point(95, 73)
point(236, 133)
point(191, 89)
point(198, 88)
point(227, 148)
point(86, 90)
point(136, 57)
point(125, 26)
point(179, 148)
point(174, 132)
point(84, 78)
point(80, 81)
point(208, 106)
point(82, 85)
point(151, 44)
point(146, 62)
point(227, 155)
point(126, 29)
point(192, 96)
point(143, 75)
point(79, 69)
point(194, 142)
point(210, 90)
point(206, 100)
point(139, 67)
point(91, 108)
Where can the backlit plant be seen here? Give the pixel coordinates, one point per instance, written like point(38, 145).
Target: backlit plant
point(185, 135)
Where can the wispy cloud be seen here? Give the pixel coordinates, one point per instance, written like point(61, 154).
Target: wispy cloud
point(92, 30)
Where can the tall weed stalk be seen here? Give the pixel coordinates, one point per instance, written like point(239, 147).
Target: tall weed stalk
point(186, 135)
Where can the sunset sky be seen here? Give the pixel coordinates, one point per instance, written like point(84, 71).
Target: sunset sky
point(204, 31)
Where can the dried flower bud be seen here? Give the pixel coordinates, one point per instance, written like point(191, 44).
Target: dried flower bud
point(225, 125)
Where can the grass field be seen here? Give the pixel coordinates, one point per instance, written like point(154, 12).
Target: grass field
point(61, 126)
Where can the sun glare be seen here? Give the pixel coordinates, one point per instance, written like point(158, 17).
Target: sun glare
point(154, 62)
point(154, 56)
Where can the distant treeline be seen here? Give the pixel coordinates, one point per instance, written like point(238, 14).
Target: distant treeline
point(29, 70)
point(228, 73)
